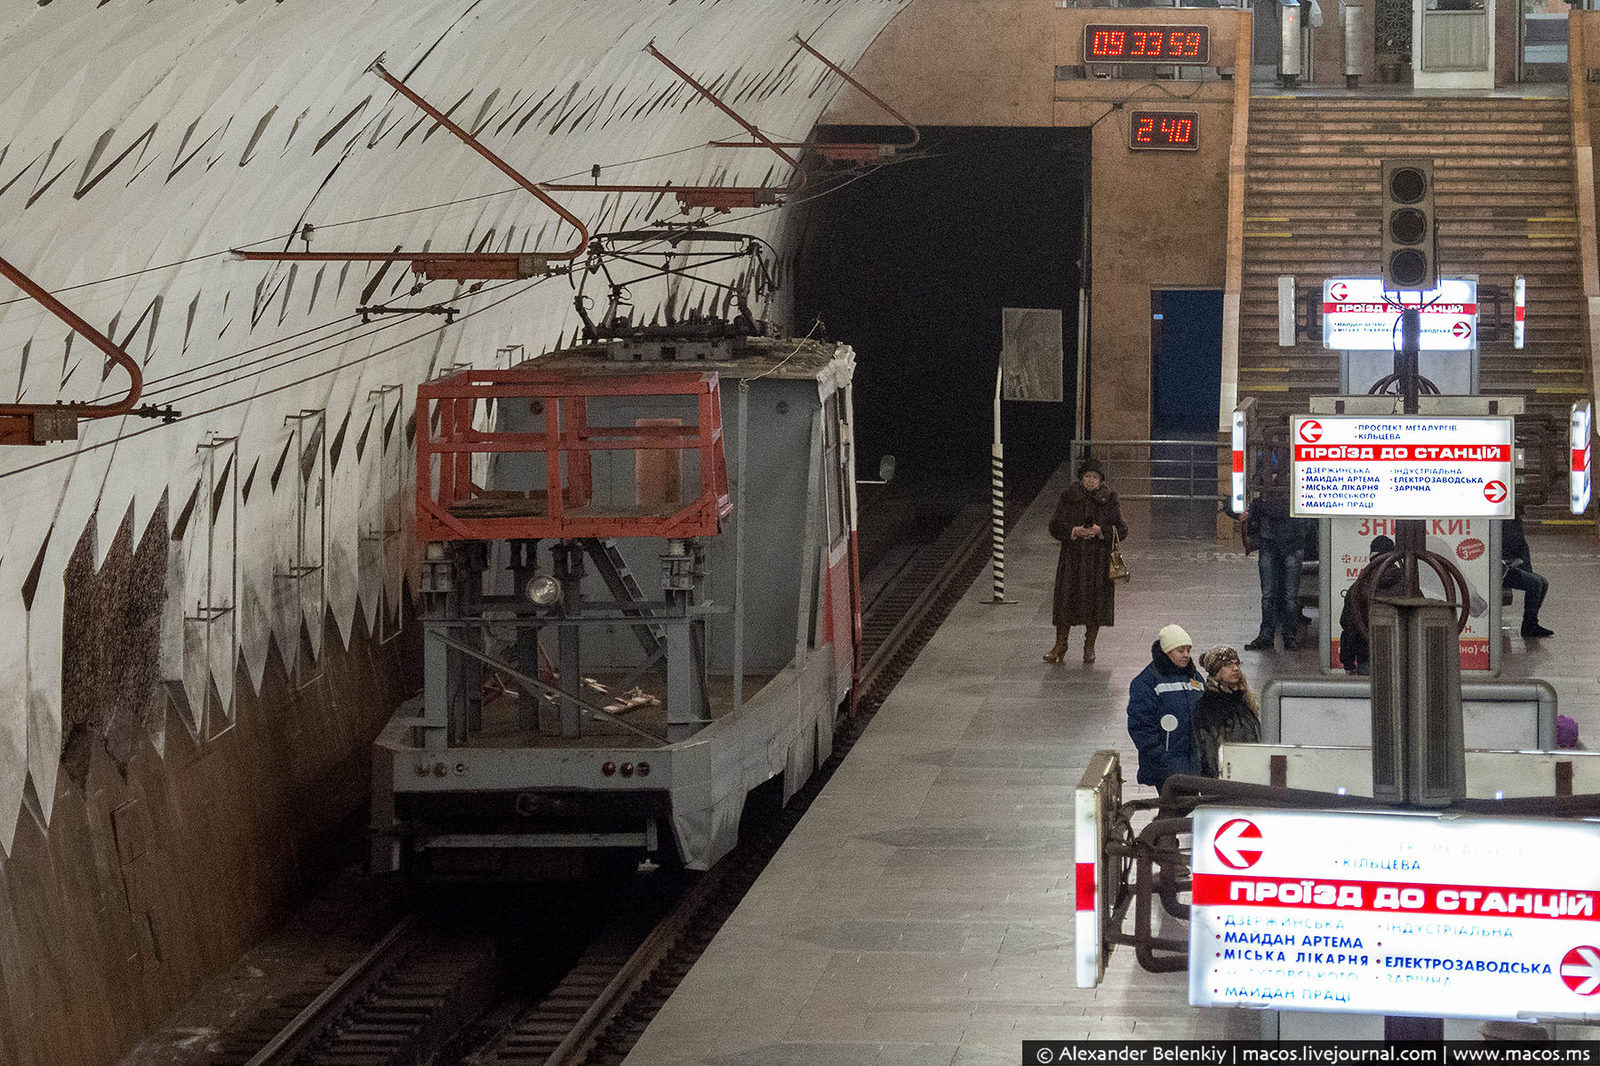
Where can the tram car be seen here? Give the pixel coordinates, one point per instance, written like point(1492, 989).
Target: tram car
point(639, 602)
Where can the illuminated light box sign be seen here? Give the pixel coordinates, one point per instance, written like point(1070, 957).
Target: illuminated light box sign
point(1581, 473)
point(1163, 131)
point(1236, 500)
point(1356, 315)
point(1394, 913)
point(1119, 43)
point(1402, 466)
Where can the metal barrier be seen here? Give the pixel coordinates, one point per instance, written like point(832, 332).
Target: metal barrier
point(1177, 477)
point(1505, 715)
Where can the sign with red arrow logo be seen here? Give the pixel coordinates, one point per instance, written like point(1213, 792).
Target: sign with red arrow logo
point(1402, 466)
point(1384, 912)
point(1358, 314)
point(1238, 844)
point(1580, 969)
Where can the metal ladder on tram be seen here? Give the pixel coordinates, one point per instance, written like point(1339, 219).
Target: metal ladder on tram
point(625, 590)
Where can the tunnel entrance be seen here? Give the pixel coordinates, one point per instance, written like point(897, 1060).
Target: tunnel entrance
point(911, 265)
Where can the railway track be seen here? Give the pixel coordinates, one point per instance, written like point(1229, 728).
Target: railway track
point(421, 997)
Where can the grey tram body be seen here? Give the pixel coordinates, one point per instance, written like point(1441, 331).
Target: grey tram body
point(467, 802)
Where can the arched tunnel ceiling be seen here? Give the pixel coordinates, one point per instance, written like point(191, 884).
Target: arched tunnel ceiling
point(142, 139)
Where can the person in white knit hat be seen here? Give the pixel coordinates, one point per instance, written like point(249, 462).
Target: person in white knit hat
point(1168, 689)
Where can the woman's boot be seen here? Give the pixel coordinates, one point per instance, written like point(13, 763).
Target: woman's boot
point(1089, 633)
point(1057, 653)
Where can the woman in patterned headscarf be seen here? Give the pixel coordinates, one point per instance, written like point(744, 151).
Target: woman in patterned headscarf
point(1227, 711)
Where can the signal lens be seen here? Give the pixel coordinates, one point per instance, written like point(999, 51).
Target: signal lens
point(1407, 185)
point(1408, 226)
point(1408, 268)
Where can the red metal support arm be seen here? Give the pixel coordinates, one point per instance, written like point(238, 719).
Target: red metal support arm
point(89, 333)
point(457, 265)
point(730, 112)
point(40, 423)
point(916, 134)
point(719, 197)
point(472, 142)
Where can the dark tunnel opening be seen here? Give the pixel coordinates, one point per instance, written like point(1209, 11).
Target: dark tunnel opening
point(912, 263)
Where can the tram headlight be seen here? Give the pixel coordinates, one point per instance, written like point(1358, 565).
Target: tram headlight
point(544, 591)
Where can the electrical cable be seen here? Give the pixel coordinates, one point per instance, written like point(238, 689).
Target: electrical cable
point(234, 369)
point(816, 194)
point(304, 355)
point(351, 222)
point(779, 364)
point(266, 392)
point(242, 352)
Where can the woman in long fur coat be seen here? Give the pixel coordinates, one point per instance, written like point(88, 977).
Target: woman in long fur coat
point(1085, 594)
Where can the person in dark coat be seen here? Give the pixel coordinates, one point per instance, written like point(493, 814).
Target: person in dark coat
point(1227, 712)
point(1085, 595)
point(1355, 652)
point(1169, 686)
point(1519, 574)
point(1280, 543)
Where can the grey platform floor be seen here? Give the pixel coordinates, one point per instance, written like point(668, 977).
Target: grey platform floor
point(922, 911)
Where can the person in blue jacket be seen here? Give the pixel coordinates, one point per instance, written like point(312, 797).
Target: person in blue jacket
point(1170, 685)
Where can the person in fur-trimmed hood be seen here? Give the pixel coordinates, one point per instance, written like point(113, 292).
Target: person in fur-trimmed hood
point(1227, 711)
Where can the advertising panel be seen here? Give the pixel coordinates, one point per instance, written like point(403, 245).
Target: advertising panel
point(1464, 541)
point(1394, 913)
point(1356, 313)
point(1402, 466)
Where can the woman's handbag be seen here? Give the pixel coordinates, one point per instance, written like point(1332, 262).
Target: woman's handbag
point(1119, 567)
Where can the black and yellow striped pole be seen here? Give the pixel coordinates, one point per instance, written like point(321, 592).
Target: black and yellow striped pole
point(997, 497)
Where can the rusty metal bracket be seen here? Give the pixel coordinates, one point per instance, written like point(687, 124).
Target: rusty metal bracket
point(841, 152)
point(41, 423)
point(719, 198)
point(455, 266)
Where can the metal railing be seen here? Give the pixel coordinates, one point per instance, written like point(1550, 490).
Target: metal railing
point(1178, 478)
point(1155, 469)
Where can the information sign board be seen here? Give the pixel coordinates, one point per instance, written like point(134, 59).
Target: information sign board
point(1402, 466)
point(1466, 542)
point(1357, 314)
point(1394, 913)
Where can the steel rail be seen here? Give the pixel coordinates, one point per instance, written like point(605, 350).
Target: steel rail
point(941, 574)
point(919, 595)
point(306, 1026)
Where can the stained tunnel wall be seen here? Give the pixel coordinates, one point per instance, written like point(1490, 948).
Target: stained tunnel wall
point(189, 687)
point(913, 264)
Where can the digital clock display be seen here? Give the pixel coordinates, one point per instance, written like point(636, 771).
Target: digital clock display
point(1172, 131)
point(1147, 44)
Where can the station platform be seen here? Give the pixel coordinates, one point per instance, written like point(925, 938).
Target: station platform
point(922, 911)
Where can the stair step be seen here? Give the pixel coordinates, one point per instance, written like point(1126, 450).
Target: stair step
point(1506, 206)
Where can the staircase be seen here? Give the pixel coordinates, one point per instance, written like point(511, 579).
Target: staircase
point(1504, 204)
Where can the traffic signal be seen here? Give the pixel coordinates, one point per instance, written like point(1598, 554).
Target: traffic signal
point(1410, 246)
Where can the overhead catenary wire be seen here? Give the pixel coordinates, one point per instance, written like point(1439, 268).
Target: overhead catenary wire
point(190, 416)
point(285, 362)
point(276, 238)
point(815, 194)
